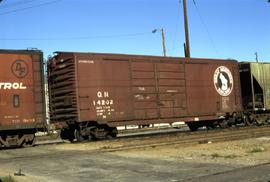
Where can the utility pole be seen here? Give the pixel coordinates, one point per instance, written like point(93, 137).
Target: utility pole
point(163, 42)
point(256, 55)
point(187, 48)
point(163, 39)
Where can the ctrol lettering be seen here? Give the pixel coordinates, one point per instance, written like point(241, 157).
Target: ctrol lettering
point(9, 86)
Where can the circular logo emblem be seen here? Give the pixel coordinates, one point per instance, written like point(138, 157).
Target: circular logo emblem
point(19, 68)
point(223, 81)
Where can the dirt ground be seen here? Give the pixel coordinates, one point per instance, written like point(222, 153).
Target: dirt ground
point(242, 152)
point(76, 162)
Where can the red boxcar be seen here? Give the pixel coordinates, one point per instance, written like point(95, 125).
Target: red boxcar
point(22, 109)
point(91, 94)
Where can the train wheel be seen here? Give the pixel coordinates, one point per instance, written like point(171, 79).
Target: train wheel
point(29, 142)
point(67, 134)
point(210, 125)
point(246, 121)
point(112, 133)
point(89, 138)
point(192, 126)
point(78, 136)
point(224, 124)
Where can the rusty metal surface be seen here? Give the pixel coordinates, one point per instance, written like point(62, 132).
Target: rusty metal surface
point(124, 89)
point(204, 87)
point(21, 89)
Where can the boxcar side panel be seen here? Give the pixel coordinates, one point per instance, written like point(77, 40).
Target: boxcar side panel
point(171, 89)
point(21, 97)
point(212, 88)
point(144, 90)
point(158, 89)
point(117, 90)
point(104, 90)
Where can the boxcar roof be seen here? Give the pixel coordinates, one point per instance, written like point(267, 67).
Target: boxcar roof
point(13, 51)
point(133, 56)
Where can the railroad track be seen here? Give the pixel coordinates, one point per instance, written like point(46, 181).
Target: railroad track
point(123, 134)
point(187, 138)
point(135, 143)
point(152, 138)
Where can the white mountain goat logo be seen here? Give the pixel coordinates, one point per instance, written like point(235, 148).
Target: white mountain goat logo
point(223, 81)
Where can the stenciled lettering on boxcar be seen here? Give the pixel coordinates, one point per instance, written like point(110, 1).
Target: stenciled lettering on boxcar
point(15, 119)
point(9, 86)
point(224, 102)
point(19, 68)
point(86, 61)
point(223, 81)
point(103, 104)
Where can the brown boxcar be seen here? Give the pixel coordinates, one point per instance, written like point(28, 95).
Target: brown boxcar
point(91, 93)
point(22, 108)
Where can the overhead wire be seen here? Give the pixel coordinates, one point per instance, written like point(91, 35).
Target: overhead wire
point(30, 7)
point(62, 38)
point(207, 30)
point(59, 38)
point(77, 38)
point(16, 3)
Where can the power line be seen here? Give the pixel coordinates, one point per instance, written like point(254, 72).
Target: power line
point(18, 3)
point(205, 26)
point(30, 7)
point(76, 38)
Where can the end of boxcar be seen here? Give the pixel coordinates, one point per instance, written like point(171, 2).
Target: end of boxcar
point(22, 104)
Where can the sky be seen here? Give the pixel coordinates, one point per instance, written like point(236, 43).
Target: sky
point(225, 29)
